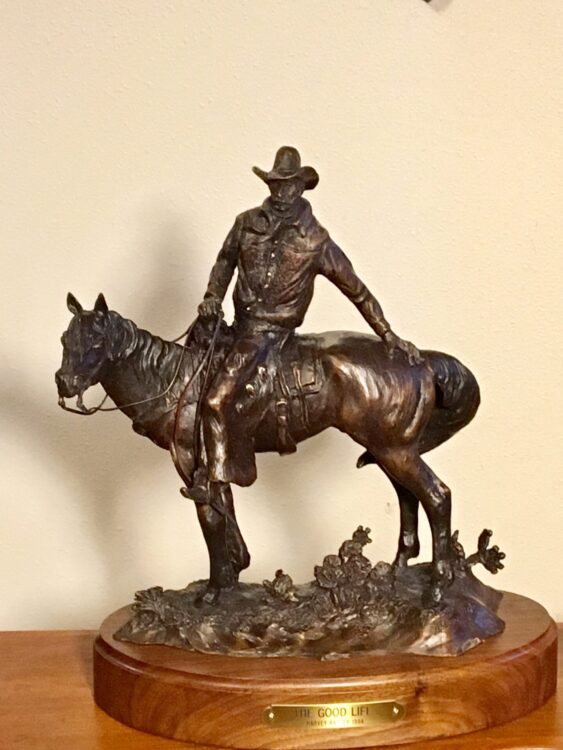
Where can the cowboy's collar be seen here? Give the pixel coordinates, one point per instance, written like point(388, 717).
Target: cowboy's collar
point(299, 217)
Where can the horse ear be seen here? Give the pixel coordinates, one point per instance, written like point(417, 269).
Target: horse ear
point(73, 304)
point(101, 304)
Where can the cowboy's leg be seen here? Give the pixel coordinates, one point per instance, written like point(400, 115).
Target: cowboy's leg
point(228, 434)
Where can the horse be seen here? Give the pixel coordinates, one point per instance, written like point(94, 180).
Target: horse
point(395, 410)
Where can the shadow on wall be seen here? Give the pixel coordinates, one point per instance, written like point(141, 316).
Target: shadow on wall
point(439, 5)
point(168, 301)
point(93, 452)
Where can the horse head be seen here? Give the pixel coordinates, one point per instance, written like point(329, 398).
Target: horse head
point(85, 348)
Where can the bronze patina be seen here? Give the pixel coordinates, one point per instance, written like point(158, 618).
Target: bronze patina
point(229, 391)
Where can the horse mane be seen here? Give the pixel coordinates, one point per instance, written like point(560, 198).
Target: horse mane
point(153, 354)
point(156, 360)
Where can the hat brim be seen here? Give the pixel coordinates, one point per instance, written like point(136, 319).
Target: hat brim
point(307, 175)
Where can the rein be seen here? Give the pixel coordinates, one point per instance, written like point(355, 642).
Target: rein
point(85, 411)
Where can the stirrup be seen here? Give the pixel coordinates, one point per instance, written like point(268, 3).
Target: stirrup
point(197, 493)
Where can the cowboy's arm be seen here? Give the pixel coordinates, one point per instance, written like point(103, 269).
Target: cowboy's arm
point(221, 273)
point(337, 268)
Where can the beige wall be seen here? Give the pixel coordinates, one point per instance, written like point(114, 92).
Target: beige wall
point(128, 133)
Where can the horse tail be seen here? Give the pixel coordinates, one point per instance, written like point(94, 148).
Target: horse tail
point(457, 400)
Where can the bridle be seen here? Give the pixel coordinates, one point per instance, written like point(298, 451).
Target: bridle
point(85, 411)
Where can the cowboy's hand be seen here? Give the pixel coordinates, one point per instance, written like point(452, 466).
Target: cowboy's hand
point(394, 343)
point(210, 308)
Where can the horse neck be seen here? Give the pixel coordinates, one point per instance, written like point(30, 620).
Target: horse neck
point(141, 367)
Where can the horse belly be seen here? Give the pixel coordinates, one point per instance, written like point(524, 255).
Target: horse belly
point(384, 401)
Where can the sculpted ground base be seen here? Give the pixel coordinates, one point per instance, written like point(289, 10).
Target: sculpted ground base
point(251, 622)
point(351, 607)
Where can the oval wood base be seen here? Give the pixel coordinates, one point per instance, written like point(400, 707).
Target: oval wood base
point(225, 701)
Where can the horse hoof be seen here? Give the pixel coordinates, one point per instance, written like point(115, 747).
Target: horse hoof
point(441, 580)
point(401, 561)
point(432, 597)
point(210, 598)
point(402, 558)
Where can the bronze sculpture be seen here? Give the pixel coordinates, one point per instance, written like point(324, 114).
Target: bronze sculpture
point(257, 386)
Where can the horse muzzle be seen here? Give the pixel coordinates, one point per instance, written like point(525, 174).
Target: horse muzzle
point(67, 387)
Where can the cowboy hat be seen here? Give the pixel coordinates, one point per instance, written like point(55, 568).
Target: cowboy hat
point(287, 164)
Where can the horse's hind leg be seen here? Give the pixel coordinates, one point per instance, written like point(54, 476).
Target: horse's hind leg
point(409, 545)
point(407, 468)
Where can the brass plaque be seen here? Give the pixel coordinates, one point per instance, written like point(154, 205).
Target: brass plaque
point(334, 715)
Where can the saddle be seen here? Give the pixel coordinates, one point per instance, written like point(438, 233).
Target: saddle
point(293, 373)
point(298, 373)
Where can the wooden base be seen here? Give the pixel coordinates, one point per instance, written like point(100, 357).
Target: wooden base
point(225, 701)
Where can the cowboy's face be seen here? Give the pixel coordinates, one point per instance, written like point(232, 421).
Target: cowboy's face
point(285, 193)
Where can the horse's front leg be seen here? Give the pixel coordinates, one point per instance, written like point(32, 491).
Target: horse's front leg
point(238, 551)
point(222, 575)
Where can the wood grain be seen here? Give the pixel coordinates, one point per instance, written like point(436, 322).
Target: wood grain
point(220, 701)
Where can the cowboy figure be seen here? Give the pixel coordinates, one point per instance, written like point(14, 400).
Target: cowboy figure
point(277, 250)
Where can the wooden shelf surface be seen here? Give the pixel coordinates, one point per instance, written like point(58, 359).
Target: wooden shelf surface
point(46, 704)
